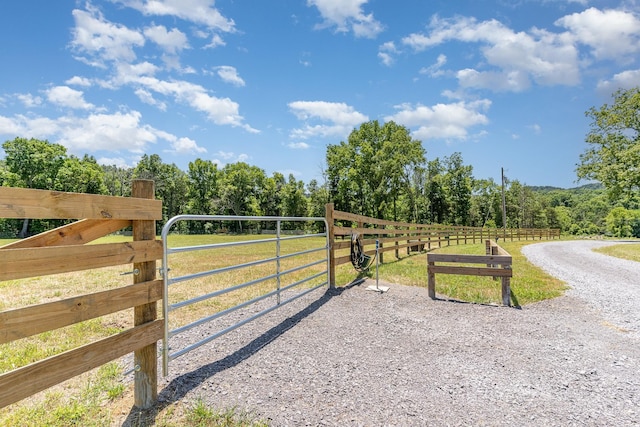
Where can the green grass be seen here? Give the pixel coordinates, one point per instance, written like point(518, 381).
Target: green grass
point(86, 405)
point(624, 251)
point(529, 284)
point(202, 415)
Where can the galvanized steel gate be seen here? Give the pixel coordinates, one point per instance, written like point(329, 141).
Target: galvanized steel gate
point(277, 275)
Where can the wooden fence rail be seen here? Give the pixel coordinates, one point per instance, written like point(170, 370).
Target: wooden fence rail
point(63, 250)
point(497, 261)
point(394, 236)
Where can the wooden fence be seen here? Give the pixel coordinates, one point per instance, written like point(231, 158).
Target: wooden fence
point(497, 261)
point(63, 250)
point(396, 236)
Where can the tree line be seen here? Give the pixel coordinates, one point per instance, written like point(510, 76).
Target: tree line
point(379, 171)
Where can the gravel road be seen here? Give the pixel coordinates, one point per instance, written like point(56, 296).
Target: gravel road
point(353, 357)
point(611, 285)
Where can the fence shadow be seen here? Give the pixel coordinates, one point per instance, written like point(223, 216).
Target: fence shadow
point(178, 388)
point(515, 304)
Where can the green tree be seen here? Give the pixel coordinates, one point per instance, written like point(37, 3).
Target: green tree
point(241, 187)
point(117, 180)
point(613, 153)
point(294, 201)
point(436, 193)
point(202, 188)
point(81, 176)
point(369, 173)
point(170, 184)
point(32, 163)
point(484, 191)
point(622, 222)
point(458, 179)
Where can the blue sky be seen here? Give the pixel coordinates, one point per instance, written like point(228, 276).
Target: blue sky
point(504, 82)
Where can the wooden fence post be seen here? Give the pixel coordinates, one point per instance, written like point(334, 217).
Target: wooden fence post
point(145, 359)
point(331, 237)
point(431, 282)
point(506, 291)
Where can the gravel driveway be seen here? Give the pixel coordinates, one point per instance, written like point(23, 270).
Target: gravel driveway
point(352, 357)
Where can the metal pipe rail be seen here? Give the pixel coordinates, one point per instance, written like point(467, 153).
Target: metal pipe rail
point(167, 280)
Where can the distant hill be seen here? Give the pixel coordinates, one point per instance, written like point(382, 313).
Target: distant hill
point(585, 187)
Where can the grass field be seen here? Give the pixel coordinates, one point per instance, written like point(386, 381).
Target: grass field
point(94, 398)
point(624, 251)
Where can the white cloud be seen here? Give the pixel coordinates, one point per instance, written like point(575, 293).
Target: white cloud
point(342, 118)
point(347, 15)
point(197, 11)
point(113, 161)
point(221, 111)
point(446, 121)
point(216, 41)
point(298, 145)
point(611, 34)
point(79, 81)
point(170, 41)
point(122, 131)
point(538, 55)
point(186, 146)
point(386, 53)
point(225, 157)
point(515, 81)
point(28, 100)
point(229, 74)
point(103, 40)
point(625, 80)
point(435, 70)
point(67, 97)
point(147, 97)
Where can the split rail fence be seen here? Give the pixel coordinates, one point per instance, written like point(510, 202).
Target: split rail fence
point(64, 250)
point(396, 236)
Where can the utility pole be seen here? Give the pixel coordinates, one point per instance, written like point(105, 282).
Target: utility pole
point(504, 208)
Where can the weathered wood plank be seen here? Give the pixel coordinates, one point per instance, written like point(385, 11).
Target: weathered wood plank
point(471, 259)
point(470, 271)
point(43, 204)
point(32, 262)
point(28, 380)
point(77, 233)
point(28, 321)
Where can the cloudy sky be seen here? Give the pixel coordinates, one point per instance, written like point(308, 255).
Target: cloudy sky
point(504, 82)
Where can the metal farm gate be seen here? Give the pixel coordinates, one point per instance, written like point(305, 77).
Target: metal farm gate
point(233, 267)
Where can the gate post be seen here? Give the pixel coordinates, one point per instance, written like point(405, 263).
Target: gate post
point(146, 371)
point(331, 238)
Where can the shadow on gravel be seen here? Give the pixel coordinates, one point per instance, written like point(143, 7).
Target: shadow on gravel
point(178, 388)
point(514, 302)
